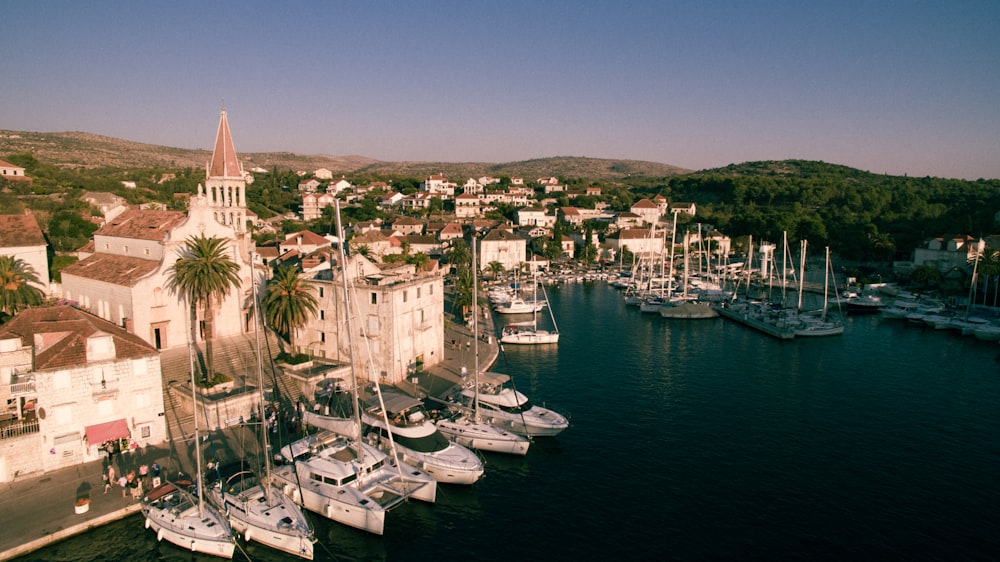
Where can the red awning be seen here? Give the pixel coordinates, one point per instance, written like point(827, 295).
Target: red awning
point(97, 434)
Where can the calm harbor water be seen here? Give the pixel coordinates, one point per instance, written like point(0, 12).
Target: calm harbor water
point(707, 440)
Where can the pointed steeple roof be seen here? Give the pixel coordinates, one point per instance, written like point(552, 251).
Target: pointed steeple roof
point(224, 162)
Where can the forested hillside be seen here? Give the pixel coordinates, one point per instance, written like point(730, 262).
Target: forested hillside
point(860, 215)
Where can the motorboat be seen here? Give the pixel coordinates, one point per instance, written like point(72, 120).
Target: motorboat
point(518, 305)
point(348, 481)
point(259, 511)
point(396, 419)
point(508, 408)
point(178, 517)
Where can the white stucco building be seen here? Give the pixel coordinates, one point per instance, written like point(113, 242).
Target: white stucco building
point(72, 383)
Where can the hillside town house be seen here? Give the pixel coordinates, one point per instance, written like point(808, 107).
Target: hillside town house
point(397, 314)
point(390, 200)
point(516, 199)
point(12, 172)
point(466, 206)
point(126, 280)
point(338, 186)
point(647, 210)
point(417, 201)
point(108, 205)
point(639, 241)
point(502, 245)
point(323, 174)
point(377, 242)
point(686, 208)
point(422, 244)
point(303, 241)
point(407, 225)
point(22, 239)
point(440, 186)
point(314, 203)
point(535, 216)
point(626, 219)
point(948, 252)
point(74, 386)
point(309, 186)
point(451, 231)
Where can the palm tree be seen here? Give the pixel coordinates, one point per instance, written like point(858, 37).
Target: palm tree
point(204, 274)
point(989, 266)
point(288, 302)
point(495, 268)
point(363, 250)
point(16, 291)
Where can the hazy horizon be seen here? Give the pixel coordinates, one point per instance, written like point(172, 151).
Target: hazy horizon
point(903, 89)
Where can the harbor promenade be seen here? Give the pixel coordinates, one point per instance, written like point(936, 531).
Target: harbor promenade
point(39, 509)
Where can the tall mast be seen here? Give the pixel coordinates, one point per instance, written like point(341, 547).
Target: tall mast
point(826, 281)
point(475, 328)
point(197, 439)
point(260, 382)
point(802, 269)
point(342, 256)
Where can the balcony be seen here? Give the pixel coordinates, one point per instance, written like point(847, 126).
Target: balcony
point(22, 387)
point(18, 428)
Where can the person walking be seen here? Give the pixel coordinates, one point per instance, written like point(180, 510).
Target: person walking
point(109, 478)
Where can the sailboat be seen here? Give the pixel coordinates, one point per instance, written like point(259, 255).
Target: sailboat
point(466, 426)
point(182, 517)
point(341, 477)
point(527, 333)
point(812, 325)
point(256, 507)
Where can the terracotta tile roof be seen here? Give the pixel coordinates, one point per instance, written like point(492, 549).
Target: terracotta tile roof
point(114, 269)
point(20, 230)
point(63, 332)
point(407, 221)
point(308, 237)
point(633, 233)
point(142, 224)
point(644, 204)
point(501, 234)
point(420, 239)
point(224, 161)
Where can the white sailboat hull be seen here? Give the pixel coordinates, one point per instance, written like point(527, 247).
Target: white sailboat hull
point(175, 517)
point(530, 337)
point(278, 523)
point(483, 436)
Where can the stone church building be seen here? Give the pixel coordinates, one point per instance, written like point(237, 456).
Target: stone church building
point(126, 279)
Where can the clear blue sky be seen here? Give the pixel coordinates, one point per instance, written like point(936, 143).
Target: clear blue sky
point(905, 87)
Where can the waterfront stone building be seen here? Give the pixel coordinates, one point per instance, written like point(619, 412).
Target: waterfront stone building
point(73, 382)
point(397, 316)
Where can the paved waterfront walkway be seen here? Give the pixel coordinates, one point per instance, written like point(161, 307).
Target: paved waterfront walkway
point(37, 510)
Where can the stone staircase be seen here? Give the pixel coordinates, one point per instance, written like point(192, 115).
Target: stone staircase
point(235, 357)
